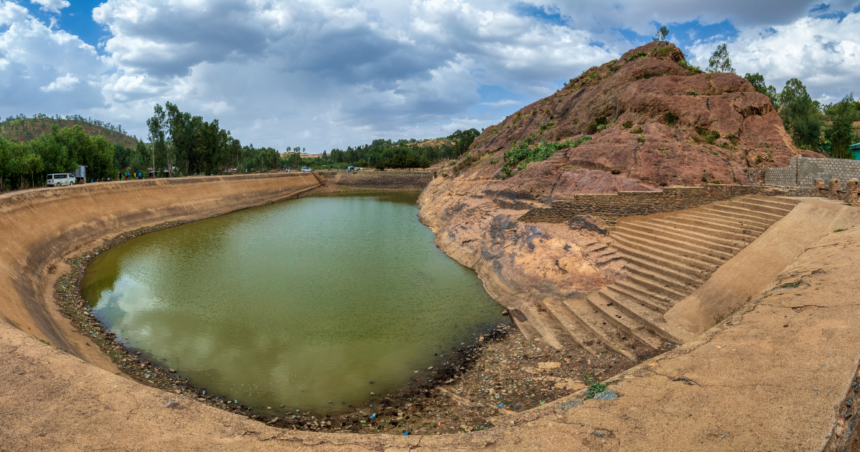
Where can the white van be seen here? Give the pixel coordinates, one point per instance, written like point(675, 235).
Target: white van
point(305, 169)
point(59, 179)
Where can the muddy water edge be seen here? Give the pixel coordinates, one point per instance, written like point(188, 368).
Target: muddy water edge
point(499, 373)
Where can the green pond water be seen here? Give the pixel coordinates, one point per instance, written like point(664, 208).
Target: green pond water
point(296, 303)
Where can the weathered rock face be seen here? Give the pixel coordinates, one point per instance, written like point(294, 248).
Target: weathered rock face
point(661, 123)
point(518, 263)
point(679, 115)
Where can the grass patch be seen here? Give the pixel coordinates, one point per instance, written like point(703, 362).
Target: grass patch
point(636, 130)
point(546, 126)
point(708, 136)
point(627, 125)
point(640, 138)
point(640, 55)
point(692, 70)
point(661, 51)
point(522, 153)
point(840, 230)
point(594, 386)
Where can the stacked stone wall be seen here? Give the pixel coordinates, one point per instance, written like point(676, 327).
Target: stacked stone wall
point(804, 171)
point(611, 207)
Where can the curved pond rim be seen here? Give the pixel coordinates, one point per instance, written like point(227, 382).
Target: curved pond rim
point(68, 296)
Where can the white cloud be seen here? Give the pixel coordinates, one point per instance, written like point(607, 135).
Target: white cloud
point(45, 70)
point(64, 83)
point(216, 107)
point(332, 73)
point(502, 103)
point(823, 53)
point(53, 6)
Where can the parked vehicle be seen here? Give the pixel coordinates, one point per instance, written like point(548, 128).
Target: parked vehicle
point(60, 179)
point(306, 169)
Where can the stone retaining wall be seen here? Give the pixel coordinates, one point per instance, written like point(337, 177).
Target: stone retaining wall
point(380, 179)
point(611, 207)
point(804, 171)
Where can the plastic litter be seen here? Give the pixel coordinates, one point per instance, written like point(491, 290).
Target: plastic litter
point(373, 416)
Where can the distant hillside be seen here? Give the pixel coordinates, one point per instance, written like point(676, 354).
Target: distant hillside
point(21, 128)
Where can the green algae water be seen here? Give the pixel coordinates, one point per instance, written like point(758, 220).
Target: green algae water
point(302, 303)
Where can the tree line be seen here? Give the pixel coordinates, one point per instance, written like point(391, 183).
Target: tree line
point(825, 128)
point(24, 165)
point(382, 153)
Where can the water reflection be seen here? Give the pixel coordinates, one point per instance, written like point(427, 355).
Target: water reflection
point(298, 303)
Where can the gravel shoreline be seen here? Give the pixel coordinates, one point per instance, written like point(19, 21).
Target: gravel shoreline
point(499, 374)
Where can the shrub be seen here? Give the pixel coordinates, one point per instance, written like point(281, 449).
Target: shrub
point(693, 70)
point(733, 138)
point(591, 129)
point(600, 120)
point(627, 125)
point(661, 51)
point(671, 119)
point(640, 138)
point(547, 125)
point(692, 92)
point(521, 153)
point(636, 130)
point(638, 55)
point(709, 136)
point(602, 127)
point(576, 120)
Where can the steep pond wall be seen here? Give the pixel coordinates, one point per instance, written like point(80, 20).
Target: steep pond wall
point(38, 226)
point(380, 179)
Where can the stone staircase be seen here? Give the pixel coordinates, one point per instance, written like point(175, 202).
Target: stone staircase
point(667, 256)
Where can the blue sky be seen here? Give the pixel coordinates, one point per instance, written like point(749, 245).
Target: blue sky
point(333, 73)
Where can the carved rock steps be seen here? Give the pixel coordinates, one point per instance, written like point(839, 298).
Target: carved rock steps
point(667, 257)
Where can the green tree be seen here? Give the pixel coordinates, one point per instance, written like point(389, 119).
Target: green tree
point(800, 114)
point(841, 132)
point(463, 140)
point(757, 81)
point(662, 33)
point(720, 61)
point(158, 127)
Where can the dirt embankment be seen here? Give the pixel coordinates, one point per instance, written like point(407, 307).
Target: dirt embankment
point(39, 226)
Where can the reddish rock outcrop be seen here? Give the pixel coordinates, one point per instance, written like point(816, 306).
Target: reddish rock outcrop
point(653, 120)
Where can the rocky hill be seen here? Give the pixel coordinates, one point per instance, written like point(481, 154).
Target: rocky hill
point(642, 122)
point(26, 129)
point(650, 117)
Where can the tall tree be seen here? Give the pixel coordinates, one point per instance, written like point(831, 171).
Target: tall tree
point(720, 61)
point(841, 132)
point(757, 81)
point(800, 114)
point(157, 125)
